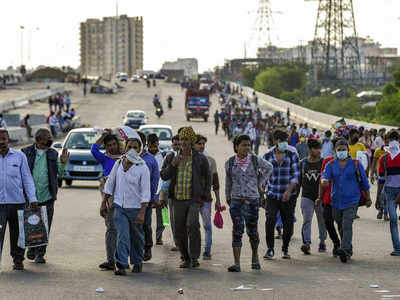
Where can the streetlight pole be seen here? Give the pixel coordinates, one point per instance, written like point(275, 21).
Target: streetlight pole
point(22, 44)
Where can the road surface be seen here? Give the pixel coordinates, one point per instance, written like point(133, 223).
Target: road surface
point(77, 239)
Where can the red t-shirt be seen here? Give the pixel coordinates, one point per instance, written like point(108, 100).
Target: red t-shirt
point(327, 195)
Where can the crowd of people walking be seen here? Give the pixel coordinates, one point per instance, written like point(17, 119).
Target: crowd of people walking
point(329, 174)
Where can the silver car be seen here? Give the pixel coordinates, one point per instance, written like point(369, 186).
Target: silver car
point(135, 118)
point(81, 164)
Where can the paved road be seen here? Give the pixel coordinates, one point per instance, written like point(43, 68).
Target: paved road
point(77, 240)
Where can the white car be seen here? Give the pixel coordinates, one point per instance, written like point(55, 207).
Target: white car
point(164, 133)
point(135, 118)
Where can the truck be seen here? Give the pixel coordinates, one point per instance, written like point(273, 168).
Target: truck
point(197, 104)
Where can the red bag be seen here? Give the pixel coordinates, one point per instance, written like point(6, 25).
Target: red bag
point(218, 220)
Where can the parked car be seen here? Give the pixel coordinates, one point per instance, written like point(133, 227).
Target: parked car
point(135, 78)
point(164, 133)
point(81, 164)
point(135, 118)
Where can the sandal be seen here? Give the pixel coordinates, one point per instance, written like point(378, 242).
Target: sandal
point(234, 268)
point(256, 265)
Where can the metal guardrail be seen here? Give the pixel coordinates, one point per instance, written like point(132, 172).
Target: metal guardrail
point(22, 101)
point(314, 118)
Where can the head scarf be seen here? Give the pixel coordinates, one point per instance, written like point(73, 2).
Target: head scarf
point(393, 149)
point(188, 133)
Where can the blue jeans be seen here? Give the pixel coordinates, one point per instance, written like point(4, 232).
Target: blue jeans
point(391, 194)
point(205, 212)
point(244, 213)
point(130, 237)
point(383, 203)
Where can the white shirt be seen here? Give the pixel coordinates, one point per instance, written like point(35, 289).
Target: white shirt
point(305, 132)
point(160, 159)
point(379, 142)
point(130, 188)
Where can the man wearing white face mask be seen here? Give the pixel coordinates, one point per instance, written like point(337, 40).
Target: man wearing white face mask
point(345, 194)
point(389, 183)
point(282, 192)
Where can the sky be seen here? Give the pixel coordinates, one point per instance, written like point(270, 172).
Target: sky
point(209, 30)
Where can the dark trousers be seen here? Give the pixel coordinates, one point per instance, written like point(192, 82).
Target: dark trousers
point(148, 231)
point(41, 251)
point(286, 210)
point(8, 214)
point(330, 224)
point(187, 228)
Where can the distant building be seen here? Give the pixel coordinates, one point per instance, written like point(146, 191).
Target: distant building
point(189, 66)
point(111, 45)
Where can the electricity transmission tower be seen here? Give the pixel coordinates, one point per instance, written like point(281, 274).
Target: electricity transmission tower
point(262, 26)
point(335, 52)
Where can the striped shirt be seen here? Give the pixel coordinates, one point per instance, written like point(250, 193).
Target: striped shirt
point(183, 187)
point(390, 177)
point(283, 174)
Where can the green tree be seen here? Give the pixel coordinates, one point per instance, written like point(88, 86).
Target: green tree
point(269, 82)
point(388, 110)
point(389, 89)
point(249, 75)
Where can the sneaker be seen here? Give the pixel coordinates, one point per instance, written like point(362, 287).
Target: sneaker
point(357, 217)
point(195, 263)
point(147, 255)
point(160, 242)
point(40, 260)
point(185, 265)
point(107, 266)
point(306, 249)
point(335, 251)
point(343, 255)
point(137, 268)
point(120, 272)
point(379, 215)
point(285, 254)
point(234, 268)
point(386, 218)
point(322, 247)
point(270, 254)
point(206, 256)
point(255, 266)
point(174, 249)
point(395, 253)
point(18, 266)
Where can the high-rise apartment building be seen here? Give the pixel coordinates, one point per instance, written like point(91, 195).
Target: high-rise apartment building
point(111, 45)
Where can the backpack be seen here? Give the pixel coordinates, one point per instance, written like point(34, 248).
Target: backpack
point(363, 198)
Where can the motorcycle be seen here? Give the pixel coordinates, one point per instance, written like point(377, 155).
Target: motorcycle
point(159, 112)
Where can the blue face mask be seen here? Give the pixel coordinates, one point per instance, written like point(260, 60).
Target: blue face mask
point(342, 155)
point(282, 146)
